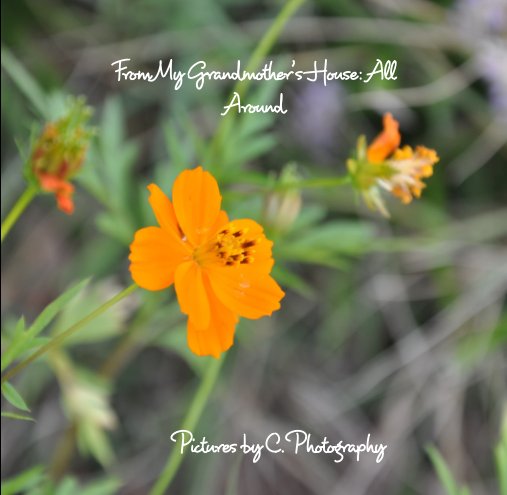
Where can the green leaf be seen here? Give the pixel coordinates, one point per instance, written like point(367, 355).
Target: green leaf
point(68, 486)
point(176, 340)
point(178, 150)
point(102, 327)
point(22, 417)
point(24, 340)
point(93, 440)
point(115, 226)
point(327, 244)
point(443, 471)
point(25, 83)
point(12, 396)
point(20, 328)
point(118, 155)
point(89, 176)
point(289, 279)
point(501, 459)
point(253, 148)
point(24, 481)
point(103, 487)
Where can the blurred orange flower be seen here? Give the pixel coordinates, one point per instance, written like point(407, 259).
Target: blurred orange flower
point(383, 164)
point(59, 152)
point(220, 268)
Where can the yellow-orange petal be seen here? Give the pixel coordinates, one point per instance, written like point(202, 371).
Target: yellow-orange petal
point(154, 256)
point(163, 210)
point(196, 200)
point(218, 337)
point(192, 296)
point(386, 142)
point(243, 291)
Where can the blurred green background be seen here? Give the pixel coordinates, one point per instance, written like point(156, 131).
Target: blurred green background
point(394, 328)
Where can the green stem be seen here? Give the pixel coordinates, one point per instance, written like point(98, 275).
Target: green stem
point(316, 183)
point(18, 208)
point(116, 360)
point(267, 41)
point(189, 423)
point(55, 342)
point(313, 183)
point(65, 446)
point(241, 87)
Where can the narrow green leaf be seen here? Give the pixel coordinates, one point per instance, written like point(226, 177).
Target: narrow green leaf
point(501, 459)
point(24, 340)
point(94, 441)
point(68, 486)
point(344, 237)
point(20, 328)
point(12, 396)
point(23, 482)
point(25, 83)
point(290, 279)
point(103, 487)
point(444, 474)
point(49, 313)
point(22, 417)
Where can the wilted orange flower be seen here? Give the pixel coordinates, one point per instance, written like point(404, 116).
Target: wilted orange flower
point(59, 152)
point(220, 268)
point(383, 164)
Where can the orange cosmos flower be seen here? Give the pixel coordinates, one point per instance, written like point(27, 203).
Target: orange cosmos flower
point(384, 165)
point(59, 152)
point(220, 268)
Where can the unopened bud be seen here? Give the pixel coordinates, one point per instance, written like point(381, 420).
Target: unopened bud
point(59, 152)
point(282, 206)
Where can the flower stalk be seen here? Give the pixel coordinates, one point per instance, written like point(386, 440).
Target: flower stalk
point(189, 423)
point(19, 207)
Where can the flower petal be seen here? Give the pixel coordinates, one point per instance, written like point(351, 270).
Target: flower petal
point(192, 295)
point(245, 291)
point(154, 256)
point(218, 336)
point(163, 210)
point(386, 142)
point(196, 200)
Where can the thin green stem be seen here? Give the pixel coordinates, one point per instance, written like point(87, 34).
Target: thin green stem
point(18, 208)
point(110, 368)
point(63, 452)
point(241, 87)
point(116, 360)
point(56, 341)
point(317, 183)
point(189, 423)
point(267, 41)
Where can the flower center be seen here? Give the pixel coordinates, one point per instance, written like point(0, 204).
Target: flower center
point(230, 247)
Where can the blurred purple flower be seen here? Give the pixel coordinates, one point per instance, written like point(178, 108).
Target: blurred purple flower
point(485, 21)
point(318, 111)
point(492, 62)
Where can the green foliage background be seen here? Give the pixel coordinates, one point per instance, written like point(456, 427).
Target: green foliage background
point(395, 328)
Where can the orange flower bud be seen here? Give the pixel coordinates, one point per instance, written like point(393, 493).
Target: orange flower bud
point(59, 152)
